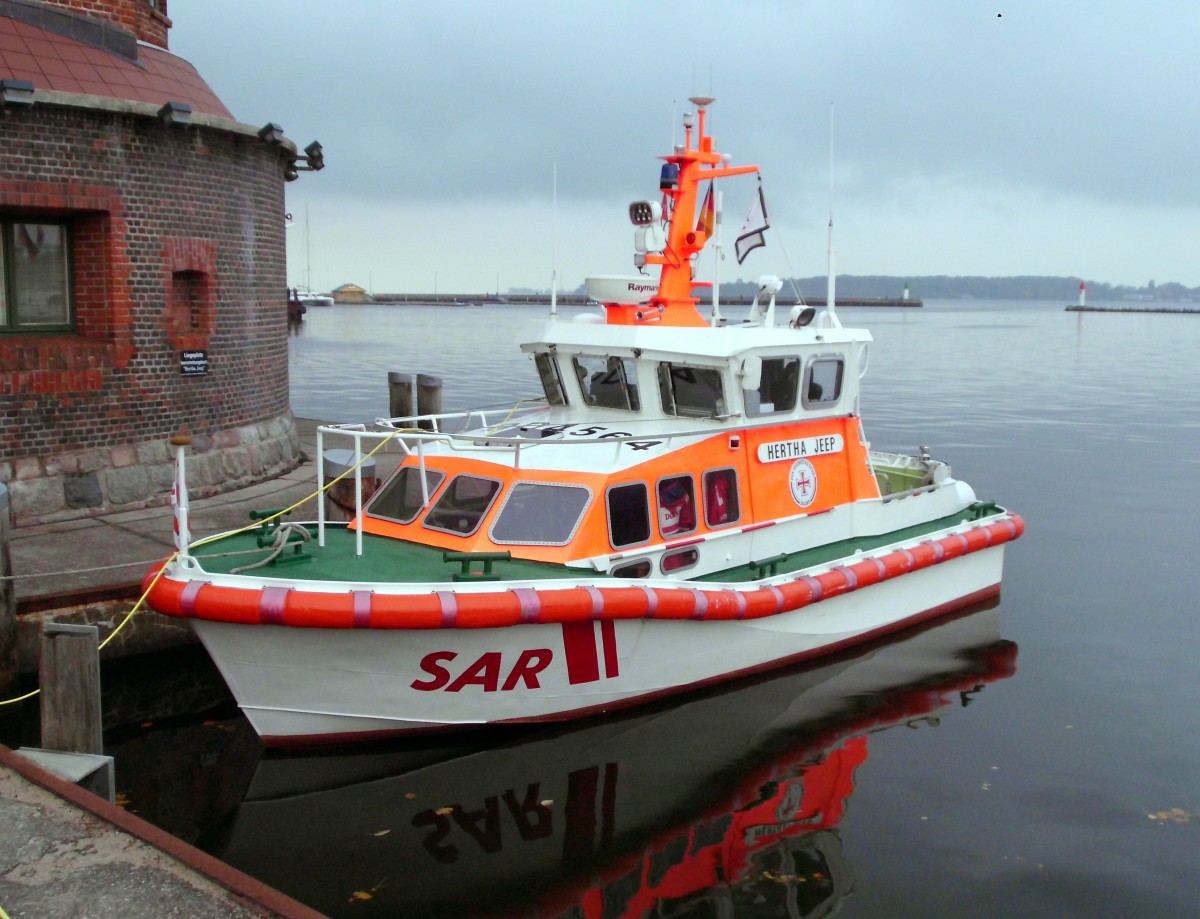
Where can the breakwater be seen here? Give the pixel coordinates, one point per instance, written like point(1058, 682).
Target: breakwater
point(1076, 308)
point(582, 300)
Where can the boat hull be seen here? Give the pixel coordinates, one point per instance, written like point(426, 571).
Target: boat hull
point(305, 686)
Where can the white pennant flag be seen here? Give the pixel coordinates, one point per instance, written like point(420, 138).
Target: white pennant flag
point(756, 224)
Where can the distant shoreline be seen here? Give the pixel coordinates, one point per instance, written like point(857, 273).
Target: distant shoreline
point(581, 300)
point(1076, 308)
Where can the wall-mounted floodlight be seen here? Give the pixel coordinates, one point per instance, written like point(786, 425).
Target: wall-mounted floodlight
point(313, 160)
point(16, 92)
point(315, 156)
point(175, 113)
point(271, 133)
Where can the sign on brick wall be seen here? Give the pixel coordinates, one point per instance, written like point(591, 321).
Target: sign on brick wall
point(193, 363)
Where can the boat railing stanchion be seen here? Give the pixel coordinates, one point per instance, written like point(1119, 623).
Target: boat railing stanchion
point(179, 499)
point(358, 510)
point(320, 487)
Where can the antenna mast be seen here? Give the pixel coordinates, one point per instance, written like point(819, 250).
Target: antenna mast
point(554, 250)
point(831, 275)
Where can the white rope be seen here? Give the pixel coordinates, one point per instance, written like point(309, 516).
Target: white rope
point(282, 535)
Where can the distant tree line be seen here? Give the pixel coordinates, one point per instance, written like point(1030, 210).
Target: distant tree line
point(943, 287)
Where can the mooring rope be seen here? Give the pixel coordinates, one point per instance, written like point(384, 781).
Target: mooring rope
point(283, 535)
point(208, 539)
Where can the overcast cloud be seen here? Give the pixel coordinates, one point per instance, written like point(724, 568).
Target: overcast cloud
point(1042, 137)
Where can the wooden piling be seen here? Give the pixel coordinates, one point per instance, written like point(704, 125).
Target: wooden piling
point(400, 394)
point(8, 599)
point(429, 397)
point(69, 677)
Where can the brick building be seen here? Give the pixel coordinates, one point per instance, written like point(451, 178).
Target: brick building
point(142, 267)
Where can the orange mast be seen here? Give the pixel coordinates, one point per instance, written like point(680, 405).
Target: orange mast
point(696, 164)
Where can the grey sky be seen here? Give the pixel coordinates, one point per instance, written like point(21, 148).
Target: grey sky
point(970, 138)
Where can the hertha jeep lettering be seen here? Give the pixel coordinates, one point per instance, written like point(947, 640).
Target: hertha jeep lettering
point(485, 671)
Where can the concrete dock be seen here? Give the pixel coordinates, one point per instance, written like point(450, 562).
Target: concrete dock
point(65, 852)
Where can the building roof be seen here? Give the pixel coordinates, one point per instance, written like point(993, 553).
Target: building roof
point(57, 62)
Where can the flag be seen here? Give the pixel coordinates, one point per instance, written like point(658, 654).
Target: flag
point(756, 224)
point(708, 214)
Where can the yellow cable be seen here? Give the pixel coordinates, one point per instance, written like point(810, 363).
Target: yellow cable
point(315, 494)
point(142, 599)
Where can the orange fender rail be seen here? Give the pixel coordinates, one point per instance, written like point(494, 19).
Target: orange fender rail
point(441, 609)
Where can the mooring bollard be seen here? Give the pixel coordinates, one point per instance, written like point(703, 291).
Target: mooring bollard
point(339, 499)
point(8, 599)
point(429, 397)
point(72, 729)
point(400, 394)
point(70, 679)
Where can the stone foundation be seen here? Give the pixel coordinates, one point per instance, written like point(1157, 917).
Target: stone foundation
point(104, 480)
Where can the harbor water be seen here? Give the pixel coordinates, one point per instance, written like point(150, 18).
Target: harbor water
point(1035, 758)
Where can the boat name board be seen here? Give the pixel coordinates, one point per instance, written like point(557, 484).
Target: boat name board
point(779, 450)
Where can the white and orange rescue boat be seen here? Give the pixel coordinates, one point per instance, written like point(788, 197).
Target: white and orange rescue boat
point(690, 500)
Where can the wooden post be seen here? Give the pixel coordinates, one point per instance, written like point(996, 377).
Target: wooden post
point(429, 397)
point(70, 681)
point(8, 599)
point(400, 395)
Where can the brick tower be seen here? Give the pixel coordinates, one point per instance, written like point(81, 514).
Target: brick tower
point(142, 267)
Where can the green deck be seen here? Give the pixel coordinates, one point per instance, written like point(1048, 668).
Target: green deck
point(385, 559)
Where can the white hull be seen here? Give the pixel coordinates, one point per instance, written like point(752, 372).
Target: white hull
point(299, 685)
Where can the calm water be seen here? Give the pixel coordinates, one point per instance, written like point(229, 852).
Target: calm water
point(1036, 759)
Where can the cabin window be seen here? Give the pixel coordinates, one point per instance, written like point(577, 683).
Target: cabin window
point(777, 391)
point(538, 513)
point(401, 498)
point(676, 505)
point(608, 382)
point(638, 568)
point(628, 514)
point(680, 560)
point(721, 505)
point(548, 373)
point(463, 504)
point(823, 382)
point(34, 277)
point(692, 391)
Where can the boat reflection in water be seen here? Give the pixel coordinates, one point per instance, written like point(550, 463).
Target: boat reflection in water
point(722, 804)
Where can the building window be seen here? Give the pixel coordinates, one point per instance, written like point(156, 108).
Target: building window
point(35, 262)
